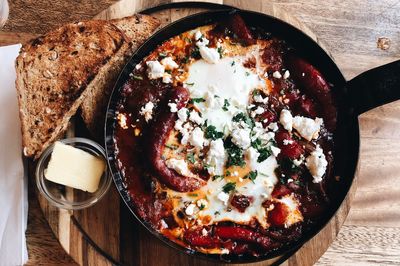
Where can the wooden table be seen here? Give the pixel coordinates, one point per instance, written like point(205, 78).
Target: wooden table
point(349, 31)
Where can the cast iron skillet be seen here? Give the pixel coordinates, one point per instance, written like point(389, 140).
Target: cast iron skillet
point(366, 91)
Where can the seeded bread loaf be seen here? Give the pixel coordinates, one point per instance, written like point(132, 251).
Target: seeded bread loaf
point(57, 72)
point(137, 29)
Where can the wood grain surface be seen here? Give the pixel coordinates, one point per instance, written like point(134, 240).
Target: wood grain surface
point(349, 31)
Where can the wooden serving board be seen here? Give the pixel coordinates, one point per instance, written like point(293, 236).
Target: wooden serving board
point(107, 233)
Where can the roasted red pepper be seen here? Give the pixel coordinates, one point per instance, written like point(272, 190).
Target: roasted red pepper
point(245, 235)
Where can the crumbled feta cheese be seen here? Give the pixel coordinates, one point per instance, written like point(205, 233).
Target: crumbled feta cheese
point(308, 128)
point(197, 138)
point(122, 121)
point(216, 157)
point(235, 173)
point(164, 225)
point(275, 151)
point(316, 164)
point(179, 165)
point(197, 35)
point(287, 141)
point(202, 42)
point(147, 111)
point(195, 117)
point(210, 55)
point(155, 70)
point(167, 78)
point(183, 114)
point(277, 75)
point(273, 126)
point(259, 110)
point(169, 63)
point(190, 209)
point(204, 232)
point(222, 196)
point(259, 99)
point(252, 156)
point(212, 102)
point(179, 125)
point(286, 120)
point(173, 108)
point(286, 74)
point(298, 162)
point(241, 137)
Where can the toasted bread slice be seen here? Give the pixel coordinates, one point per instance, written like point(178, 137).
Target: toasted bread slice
point(137, 29)
point(53, 72)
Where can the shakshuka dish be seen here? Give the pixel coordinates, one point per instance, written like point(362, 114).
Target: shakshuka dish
point(224, 137)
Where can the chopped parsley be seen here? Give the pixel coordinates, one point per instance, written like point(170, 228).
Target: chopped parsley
point(235, 154)
point(190, 84)
point(264, 154)
point(169, 71)
point(228, 187)
point(288, 166)
point(212, 133)
point(193, 195)
point(137, 77)
point(162, 55)
point(233, 63)
point(190, 157)
point(171, 146)
point(220, 51)
point(252, 176)
point(202, 206)
point(197, 100)
point(227, 173)
point(226, 105)
point(217, 213)
point(216, 177)
point(256, 144)
point(247, 74)
point(195, 52)
point(243, 117)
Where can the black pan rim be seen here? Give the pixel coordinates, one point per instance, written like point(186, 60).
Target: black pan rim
point(118, 179)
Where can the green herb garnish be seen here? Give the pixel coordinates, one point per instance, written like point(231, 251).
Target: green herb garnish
point(190, 157)
point(162, 55)
point(137, 77)
point(235, 154)
point(252, 176)
point(193, 195)
point(220, 51)
point(242, 117)
point(197, 100)
point(216, 177)
point(228, 187)
point(171, 146)
point(233, 63)
point(226, 105)
point(264, 154)
point(195, 52)
point(212, 133)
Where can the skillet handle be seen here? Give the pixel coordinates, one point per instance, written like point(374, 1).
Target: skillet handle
point(374, 87)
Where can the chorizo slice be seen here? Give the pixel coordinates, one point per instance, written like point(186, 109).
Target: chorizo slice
point(316, 86)
point(162, 125)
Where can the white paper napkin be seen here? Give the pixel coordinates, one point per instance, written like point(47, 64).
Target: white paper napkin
point(13, 185)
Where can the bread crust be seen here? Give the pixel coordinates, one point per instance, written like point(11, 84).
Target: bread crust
point(59, 71)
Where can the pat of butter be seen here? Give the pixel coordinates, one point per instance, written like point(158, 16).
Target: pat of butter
point(75, 168)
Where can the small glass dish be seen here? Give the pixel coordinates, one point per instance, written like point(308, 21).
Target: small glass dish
point(66, 197)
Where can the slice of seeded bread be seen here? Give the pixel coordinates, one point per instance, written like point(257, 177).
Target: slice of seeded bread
point(57, 72)
point(137, 29)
